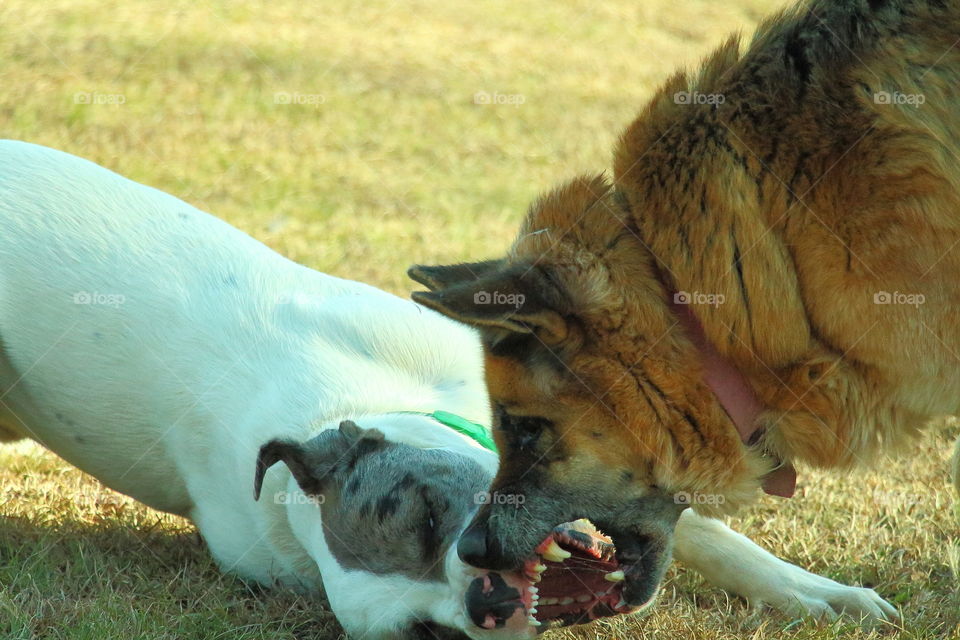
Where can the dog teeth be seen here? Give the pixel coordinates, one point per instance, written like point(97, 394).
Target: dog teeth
point(546, 601)
point(533, 621)
point(566, 601)
point(532, 589)
point(535, 573)
point(554, 553)
point(584, 598)
point(614, 576)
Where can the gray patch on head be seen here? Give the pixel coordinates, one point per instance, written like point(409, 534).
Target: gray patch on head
point(398, 509)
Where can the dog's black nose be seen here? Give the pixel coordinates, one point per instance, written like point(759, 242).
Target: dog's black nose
point(472, 546)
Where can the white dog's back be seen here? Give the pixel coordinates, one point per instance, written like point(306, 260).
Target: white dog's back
point(121, 305)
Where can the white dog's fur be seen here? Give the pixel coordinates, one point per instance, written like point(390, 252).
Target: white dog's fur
point(157, 348)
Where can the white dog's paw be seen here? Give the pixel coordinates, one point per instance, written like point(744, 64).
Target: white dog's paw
point(823, 599)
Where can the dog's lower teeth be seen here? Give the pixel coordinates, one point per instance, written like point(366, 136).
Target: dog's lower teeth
point(533, 621)
point(555, 553)
point(532, 589)
point(614, 576)
point(566, 601)
point(584, 598)
point(545, 601)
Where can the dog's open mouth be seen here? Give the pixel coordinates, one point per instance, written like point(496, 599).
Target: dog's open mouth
point(573, 578)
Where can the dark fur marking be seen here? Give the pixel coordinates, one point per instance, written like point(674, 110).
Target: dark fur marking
point(695, 425)
point(387, 506)
point(738, 264)
point(405, 483)
point(795, 52)
point(352, 486)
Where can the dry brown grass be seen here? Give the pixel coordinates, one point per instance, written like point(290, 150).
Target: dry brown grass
point(397, 165)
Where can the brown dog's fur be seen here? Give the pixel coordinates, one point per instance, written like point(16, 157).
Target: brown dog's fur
point(801, 199)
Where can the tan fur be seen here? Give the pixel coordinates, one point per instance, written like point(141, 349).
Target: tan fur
point(798, 199)
point(956, 466)
point(821, 206)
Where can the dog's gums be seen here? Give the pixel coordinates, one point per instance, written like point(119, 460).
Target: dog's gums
point(573, 577)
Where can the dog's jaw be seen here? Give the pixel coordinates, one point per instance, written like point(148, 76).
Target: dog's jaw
point(460, 577)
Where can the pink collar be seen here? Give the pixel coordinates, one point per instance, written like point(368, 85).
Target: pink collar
point(737, 398)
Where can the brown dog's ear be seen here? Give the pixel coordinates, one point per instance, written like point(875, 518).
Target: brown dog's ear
point(311, 462)
point(447, 275)
point(519, 299)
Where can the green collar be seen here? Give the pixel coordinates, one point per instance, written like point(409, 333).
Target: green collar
point(473, 430)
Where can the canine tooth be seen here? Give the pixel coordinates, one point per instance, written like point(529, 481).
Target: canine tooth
point(584, 598)
point(566, 601)
point(614, 576)
point(540, 568)
point(555, 553)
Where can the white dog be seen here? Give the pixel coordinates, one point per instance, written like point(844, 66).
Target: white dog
point(159, 349)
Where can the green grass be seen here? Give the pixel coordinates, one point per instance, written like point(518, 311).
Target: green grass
point(389, 161)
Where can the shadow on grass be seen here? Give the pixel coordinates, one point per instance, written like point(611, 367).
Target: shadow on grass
point(74, 580)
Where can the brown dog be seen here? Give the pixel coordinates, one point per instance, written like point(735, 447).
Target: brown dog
point(773, 276)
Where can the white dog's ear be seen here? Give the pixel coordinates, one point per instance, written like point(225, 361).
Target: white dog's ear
point(311, 462)
point(293, 455)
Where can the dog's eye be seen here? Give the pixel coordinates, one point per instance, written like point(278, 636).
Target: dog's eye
point(524, 431)
point(430, 535)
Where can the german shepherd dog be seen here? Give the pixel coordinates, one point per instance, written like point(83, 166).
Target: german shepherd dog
point(773, 276)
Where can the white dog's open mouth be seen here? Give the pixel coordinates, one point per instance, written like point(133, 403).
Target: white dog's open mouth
point(573, 578)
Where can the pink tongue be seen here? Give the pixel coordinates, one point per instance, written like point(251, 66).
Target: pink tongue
point(782, 481)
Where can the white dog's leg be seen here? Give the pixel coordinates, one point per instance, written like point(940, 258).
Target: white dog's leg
point(733, 562)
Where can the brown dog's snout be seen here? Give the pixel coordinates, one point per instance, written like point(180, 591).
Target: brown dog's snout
point(478, 548)
point(472, 546)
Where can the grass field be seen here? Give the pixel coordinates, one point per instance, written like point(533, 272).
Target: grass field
point(358, 138)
